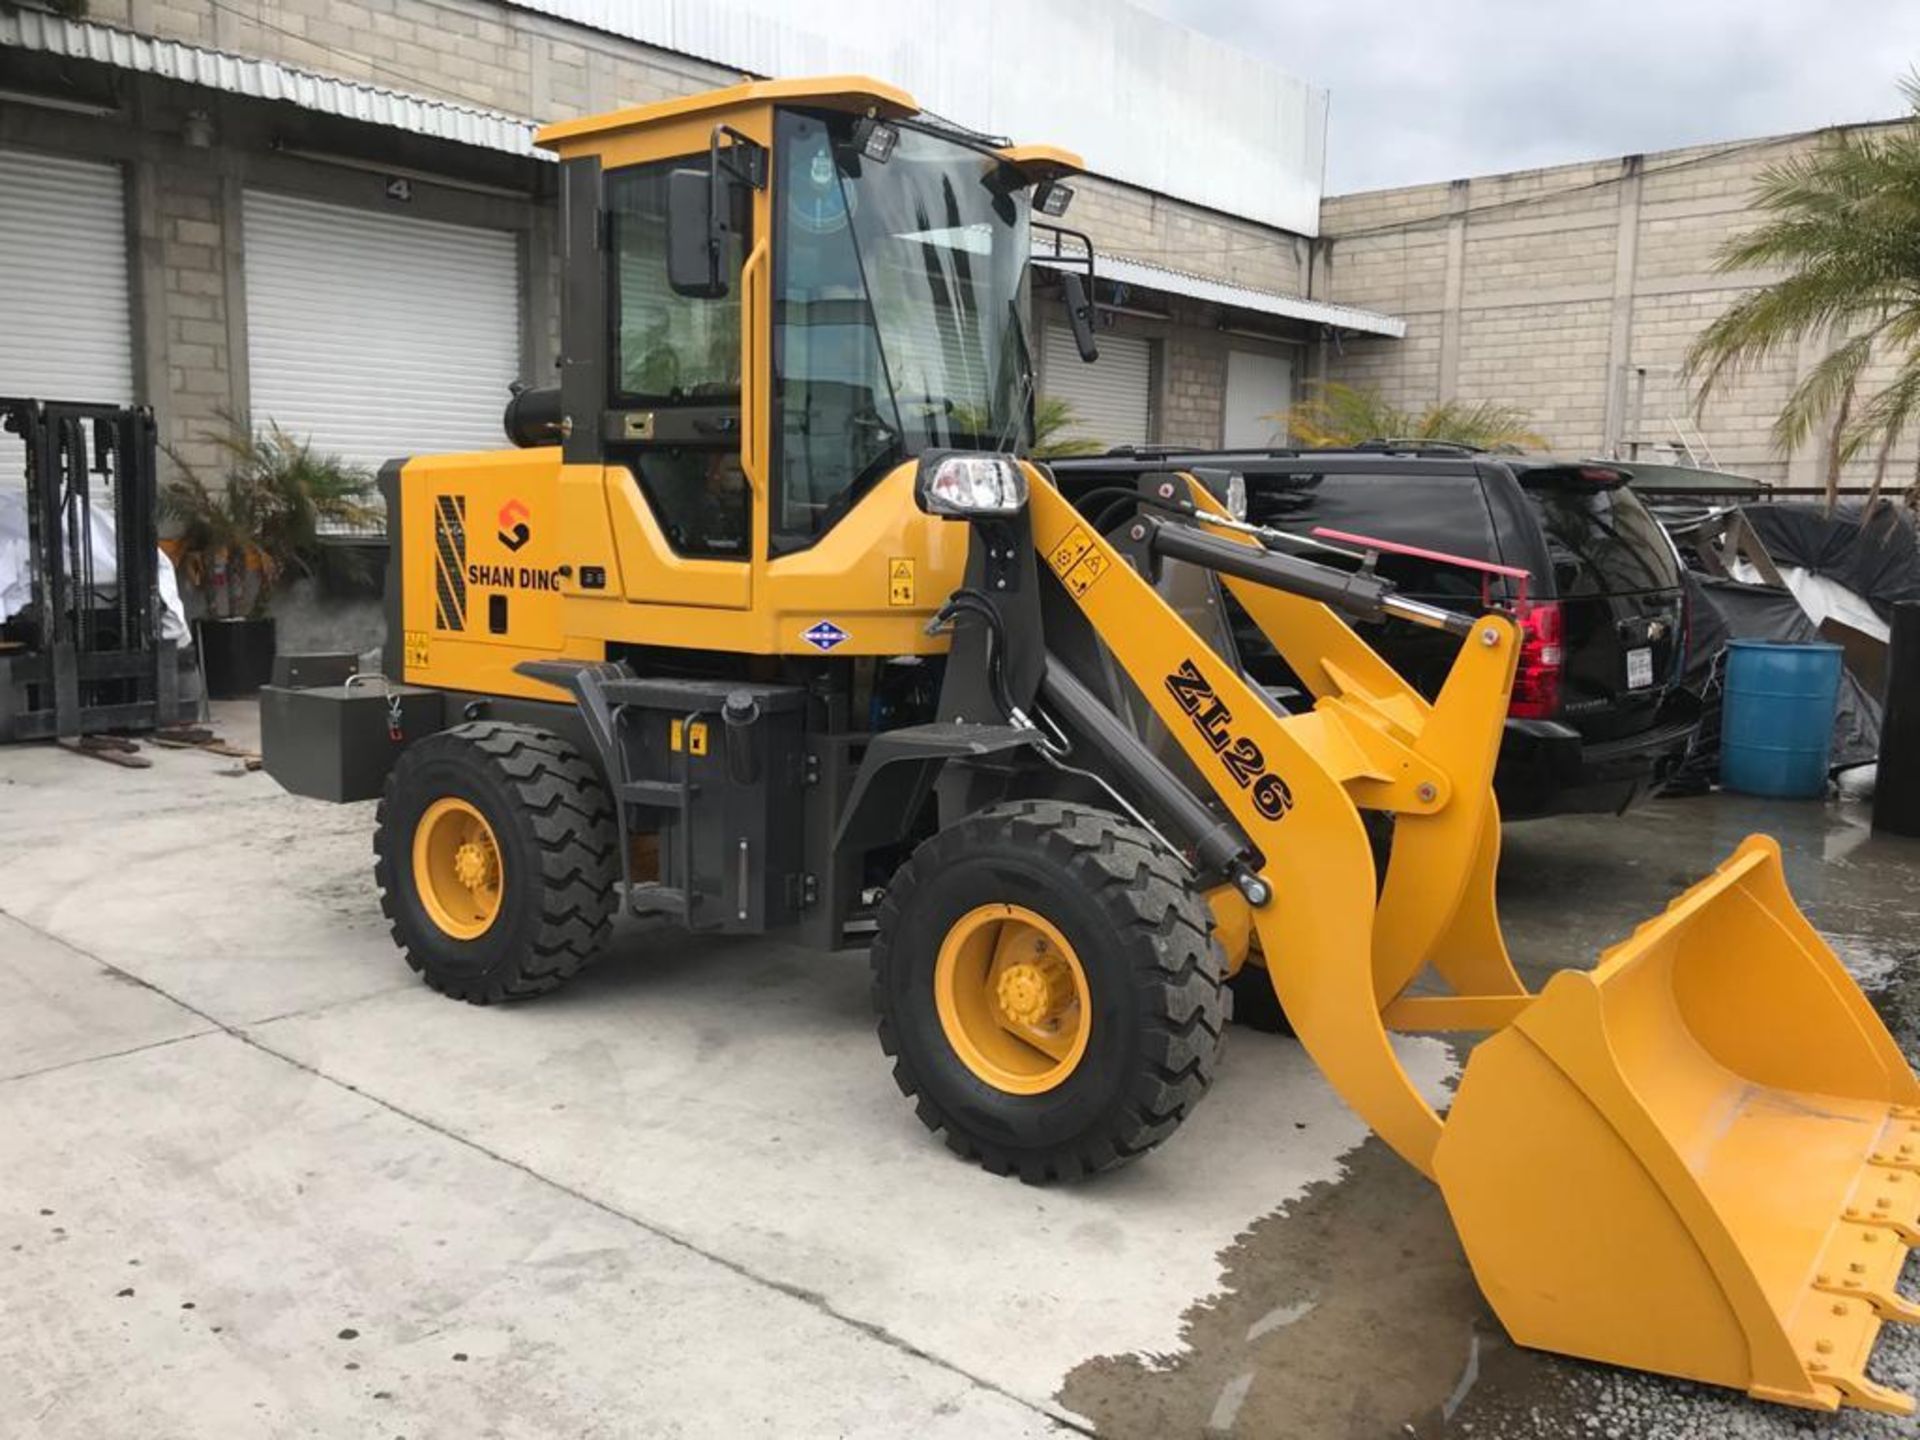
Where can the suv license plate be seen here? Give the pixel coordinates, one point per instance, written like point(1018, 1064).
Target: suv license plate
point(1639, 668)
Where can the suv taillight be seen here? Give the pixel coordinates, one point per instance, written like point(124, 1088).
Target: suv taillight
point(1536, 684)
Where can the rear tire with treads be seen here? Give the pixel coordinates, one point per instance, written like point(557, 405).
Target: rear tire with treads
point(1140, 942)
point(551, 828)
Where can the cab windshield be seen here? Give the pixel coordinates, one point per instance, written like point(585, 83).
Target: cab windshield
point(899, 291)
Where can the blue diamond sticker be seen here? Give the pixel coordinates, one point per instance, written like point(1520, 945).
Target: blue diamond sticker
point(823, 636)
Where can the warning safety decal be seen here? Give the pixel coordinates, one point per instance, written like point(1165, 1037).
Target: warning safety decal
point(1078, 564)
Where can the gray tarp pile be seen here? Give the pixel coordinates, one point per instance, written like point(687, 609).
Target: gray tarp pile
point(1875, 558)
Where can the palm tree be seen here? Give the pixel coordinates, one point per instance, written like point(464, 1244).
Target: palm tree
point(1337, 414)
point(1843, 222)
point(1051, 416)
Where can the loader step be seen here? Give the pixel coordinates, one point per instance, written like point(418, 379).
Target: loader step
point(651, 899)
point(658, 794)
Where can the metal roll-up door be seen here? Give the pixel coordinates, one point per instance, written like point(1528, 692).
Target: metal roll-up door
point(377, 335)
point(66, 326)
point(1112, 398)
point(1259, 391)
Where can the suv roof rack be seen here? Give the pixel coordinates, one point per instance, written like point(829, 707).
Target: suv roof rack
point(1411, 446)
point(1414, 445)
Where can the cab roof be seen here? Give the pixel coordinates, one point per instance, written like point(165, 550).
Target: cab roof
point(856, 94)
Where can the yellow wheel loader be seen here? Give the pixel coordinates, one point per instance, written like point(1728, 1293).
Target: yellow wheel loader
point(768, 626)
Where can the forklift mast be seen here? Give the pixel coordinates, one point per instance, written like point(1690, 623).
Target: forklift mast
point(84, 655)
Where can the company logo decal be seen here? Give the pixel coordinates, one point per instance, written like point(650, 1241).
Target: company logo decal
point(1193, 692)
point(513, 525)
point(824, 636)
point(512, 577)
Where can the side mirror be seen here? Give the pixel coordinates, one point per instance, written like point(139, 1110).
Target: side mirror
point(695, 236)
point(1079, 315)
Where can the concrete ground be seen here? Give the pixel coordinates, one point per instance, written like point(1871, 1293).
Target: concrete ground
point(256, 1180)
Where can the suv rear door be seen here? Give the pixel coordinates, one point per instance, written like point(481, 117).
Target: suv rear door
point(1622, 607)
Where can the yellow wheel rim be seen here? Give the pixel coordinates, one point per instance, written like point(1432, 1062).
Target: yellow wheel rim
point(1012, 998)
point(456, 868)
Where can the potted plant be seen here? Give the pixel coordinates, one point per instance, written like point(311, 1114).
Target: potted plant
point(239, 535)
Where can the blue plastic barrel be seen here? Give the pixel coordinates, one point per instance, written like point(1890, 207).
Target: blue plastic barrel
point(1776, 726)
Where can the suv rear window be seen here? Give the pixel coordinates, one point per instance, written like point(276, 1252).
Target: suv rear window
point(1602, 539)
point(1443, 512)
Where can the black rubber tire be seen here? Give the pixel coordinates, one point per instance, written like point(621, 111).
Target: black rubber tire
point(552, 820)
point(1156, 981)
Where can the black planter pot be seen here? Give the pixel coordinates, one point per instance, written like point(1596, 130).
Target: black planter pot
point(238, 655)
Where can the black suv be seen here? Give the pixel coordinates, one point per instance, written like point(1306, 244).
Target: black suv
point(1597, 715)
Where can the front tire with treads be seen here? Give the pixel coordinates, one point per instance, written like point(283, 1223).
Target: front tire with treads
point(1087, 942)
point(533, 843)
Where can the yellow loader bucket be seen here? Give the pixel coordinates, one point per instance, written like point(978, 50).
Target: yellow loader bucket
point(1701, 1158)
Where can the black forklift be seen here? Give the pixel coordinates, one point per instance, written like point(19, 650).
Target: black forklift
point(83, 659)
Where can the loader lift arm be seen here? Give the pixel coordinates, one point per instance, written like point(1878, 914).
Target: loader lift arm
point(1294, 784)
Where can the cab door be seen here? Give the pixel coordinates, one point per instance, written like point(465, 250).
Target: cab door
point(679, 500)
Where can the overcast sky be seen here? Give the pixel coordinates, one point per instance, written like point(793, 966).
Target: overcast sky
point(1437, 89)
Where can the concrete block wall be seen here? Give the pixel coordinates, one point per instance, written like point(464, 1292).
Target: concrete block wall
point(1193, 379)
point(178, 215)
point(467, 51)
point(1573, 293)
point(1159, 231)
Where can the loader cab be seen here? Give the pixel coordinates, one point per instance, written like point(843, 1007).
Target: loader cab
point(776, 297)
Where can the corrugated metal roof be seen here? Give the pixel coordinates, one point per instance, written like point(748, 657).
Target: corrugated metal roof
point(1243, 297)
point(267, 80)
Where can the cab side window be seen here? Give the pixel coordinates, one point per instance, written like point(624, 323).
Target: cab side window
point(678, 356)
point(837, 423)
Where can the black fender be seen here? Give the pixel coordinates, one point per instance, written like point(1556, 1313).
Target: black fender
point(898, 771)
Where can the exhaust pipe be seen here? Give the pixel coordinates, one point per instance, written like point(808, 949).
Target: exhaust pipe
point(534, 417)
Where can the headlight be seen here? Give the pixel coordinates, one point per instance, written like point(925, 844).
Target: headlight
point(1229, 487)
point(967, 485)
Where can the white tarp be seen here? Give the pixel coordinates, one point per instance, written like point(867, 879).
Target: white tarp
point(1821, 598)
point(16, 566)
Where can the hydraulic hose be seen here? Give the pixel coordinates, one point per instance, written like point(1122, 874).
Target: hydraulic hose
point(1219, 844)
